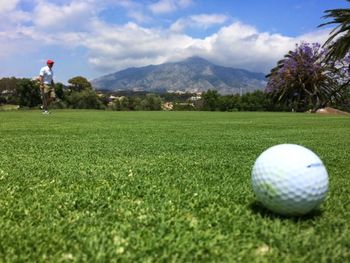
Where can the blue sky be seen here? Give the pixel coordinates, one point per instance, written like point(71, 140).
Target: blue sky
point(92, 38)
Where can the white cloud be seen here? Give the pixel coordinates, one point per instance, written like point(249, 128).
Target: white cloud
point(131, 45)
point(10, 16)
point(11, 19)
point(163, 6)
point(139, 16)
point(168, 6)
point(319, 36)
point(184, 3)
point(111, 47)
point(127, 3)
point(202, 21)
point(75, 15)
point(8, 6)
point(236, 45)
point(240, 45)
point(209, 19)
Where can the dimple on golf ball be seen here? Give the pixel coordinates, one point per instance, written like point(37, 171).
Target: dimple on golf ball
point(289, 179)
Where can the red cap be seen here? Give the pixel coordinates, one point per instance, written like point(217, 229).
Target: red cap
point(50, 61)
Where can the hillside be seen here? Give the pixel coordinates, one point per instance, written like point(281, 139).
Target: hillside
point(191, 75)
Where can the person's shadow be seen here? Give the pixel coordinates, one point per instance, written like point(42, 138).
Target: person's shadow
point(258, 209)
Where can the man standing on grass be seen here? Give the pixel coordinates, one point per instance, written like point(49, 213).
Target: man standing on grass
point(47, 85)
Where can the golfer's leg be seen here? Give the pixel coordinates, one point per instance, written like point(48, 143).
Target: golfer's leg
point(45, 101)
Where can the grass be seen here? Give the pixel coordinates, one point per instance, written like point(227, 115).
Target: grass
point(162, 187)
point(8, 107)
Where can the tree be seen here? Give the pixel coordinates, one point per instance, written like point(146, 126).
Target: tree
point(86, 99)
point(229, 102)
point(344, 103)
point(82, 95)
point(303, 80)
point(255, 101)
point(79, 84)
point(152, 102)
point(59, 90)
point(124, 103)
point(339, 48)
point(211, 100)
point(28, 92)
point(8, 90)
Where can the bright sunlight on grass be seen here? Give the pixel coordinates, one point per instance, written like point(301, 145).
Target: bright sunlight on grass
point(99, 186)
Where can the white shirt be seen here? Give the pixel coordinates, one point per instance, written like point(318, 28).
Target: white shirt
point(47, 75)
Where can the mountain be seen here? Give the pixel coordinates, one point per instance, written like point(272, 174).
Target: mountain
point(191, 75)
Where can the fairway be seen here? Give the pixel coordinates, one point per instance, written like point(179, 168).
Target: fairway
point(103, 186)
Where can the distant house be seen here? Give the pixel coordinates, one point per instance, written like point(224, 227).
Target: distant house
point(112, 98)
point(168, 106)
point(7, 92)
point(197, 97)
point(177, 91)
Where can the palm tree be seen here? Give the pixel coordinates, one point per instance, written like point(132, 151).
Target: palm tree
point(338, 48)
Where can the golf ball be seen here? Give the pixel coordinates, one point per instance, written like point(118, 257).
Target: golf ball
point(289, 179)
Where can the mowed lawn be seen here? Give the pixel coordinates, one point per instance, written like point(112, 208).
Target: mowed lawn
point(96, 186)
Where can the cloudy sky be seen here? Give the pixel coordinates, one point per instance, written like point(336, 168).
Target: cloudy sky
point(95, 37)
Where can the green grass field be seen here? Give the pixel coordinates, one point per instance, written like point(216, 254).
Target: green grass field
point(94, 186)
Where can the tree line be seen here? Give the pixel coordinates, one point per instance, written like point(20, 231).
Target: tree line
point(78, 94)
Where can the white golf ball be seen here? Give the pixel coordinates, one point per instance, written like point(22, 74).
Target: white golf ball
point(289, 179)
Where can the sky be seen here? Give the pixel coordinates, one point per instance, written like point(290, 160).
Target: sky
point(92, 38)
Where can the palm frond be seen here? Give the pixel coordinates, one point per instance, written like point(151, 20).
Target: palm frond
point(340, 34)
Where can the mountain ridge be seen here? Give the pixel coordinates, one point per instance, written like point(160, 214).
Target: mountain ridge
point(193, 75)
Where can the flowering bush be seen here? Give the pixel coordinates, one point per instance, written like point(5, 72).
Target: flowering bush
point(303, 79)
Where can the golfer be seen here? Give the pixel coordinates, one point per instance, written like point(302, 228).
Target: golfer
point(47, 85)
